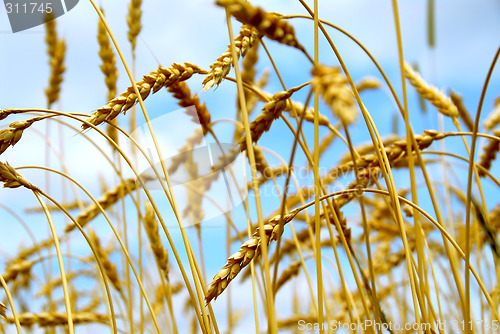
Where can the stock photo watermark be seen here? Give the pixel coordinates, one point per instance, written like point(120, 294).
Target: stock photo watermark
point(26, 14)
point(445, 325)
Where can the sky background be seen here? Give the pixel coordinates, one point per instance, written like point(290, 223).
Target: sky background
point(467, 36)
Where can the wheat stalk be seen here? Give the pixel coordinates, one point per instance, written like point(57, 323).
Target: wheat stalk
point(151, 83)
point(248, 251)
point(431, 93)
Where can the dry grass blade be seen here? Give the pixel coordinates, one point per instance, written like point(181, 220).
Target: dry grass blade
point(270, 25)
point(51, 319)
point(431, 93)
point(333, 86)
point(151, 226)
point(248, 251)
point(153, 82)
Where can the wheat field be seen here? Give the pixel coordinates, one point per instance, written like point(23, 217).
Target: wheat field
point(251, 167)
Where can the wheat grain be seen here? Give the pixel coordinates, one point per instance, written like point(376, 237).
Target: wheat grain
point(151, 83)
point(489, 153)
point(106, 201)
point(431, 93)
point(270, 25)
point(12, 179)
point(493, 118)
point(199, 112)
point(52, 319)
point(332, 85)
point(108, 266)
point(287, 274)
point(134, 22)
point(242, 43)
point(270, 112)
point(462, 111)
point(151, 227)
point(14, 269)
point(3, 308)
point(10, 136)
point(108, 68)
point(367, 83)
point(56, 50)
point(248, 251)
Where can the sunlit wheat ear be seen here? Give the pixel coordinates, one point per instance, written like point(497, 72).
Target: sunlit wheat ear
point(106, 201)
point(489, 153)
point(270, 25)
point(493, 118)
point(395, 153)
point(10, 136)
point(56, 50)
point(179, 159)
point(333, 87)
point(22, 267)
point(108, 68)
point(151, 83)
point(248, 251)
point(3, 308)
point(270, 112)
point(151, 227)
point(12, 179)
point(134, 22)
point(287, 274)
point(199, 113)
point(368, 83)
point(52, 319)
point(109, 267)
point(462, 111)
point(431, 93)
point(242, 43)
